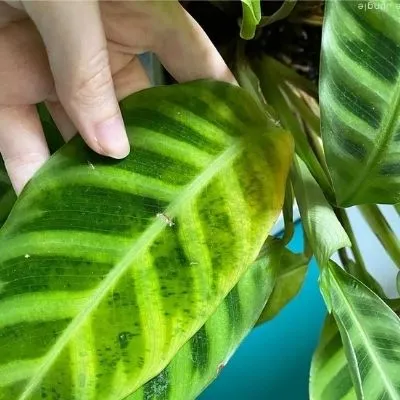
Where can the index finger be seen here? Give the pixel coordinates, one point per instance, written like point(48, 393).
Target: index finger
point(186, 51)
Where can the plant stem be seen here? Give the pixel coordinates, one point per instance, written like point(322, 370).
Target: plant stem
point(283, 12)
point(271, 83)
point(344, 258)
point(357, 269)
point(307, 249)
point(382, 230)
point(288, 213)
point(249, 81)
point(285, 73)
point(311, 124)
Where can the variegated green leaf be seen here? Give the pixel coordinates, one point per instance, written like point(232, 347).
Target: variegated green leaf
point(201, 359)
point(360, 99)
point(107, 267)
point(330, 376)
point(370, 333)
point(292, 271)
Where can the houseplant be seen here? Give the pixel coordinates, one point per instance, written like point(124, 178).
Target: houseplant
point(138, 278)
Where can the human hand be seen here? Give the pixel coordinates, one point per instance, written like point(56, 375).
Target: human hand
point(80, 58)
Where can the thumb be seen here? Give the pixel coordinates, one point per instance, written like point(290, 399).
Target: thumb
point(77, 50)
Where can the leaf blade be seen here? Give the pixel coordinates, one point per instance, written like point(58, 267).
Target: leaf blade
point(360, 101)
point(119, 240)
point(372, 350)
point(291, 275)
point(329, 374)
point(185, 377)
point(317, 214)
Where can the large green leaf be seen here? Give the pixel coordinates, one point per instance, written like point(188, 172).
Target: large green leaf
point(322, 228)
point(292, 271)
point(107, 267)
point(200, 360)
point(360, 99)
point(330, 375)
point(370, 333)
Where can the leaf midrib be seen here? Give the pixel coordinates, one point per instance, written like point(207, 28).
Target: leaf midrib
point(375, 358)
point(139, 245)
point(384, 135)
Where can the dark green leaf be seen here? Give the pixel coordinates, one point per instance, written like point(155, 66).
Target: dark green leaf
point(7, 194)
point(360, 99)
point(53, 136)
point(370, 333)
point(398, 282)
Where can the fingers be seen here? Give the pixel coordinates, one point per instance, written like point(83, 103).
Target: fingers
point(77, 51)
point(25, 76)
point(166, 29)
point(22, 143)
point(9, 14)
point(130, 79)
point(187, 53)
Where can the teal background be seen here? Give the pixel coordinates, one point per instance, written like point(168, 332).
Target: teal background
point(273, 362)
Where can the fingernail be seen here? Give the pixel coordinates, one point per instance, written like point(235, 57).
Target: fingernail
point(111, 137)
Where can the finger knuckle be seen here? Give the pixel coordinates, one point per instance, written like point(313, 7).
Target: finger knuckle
point(93, 86)
point(21, 160)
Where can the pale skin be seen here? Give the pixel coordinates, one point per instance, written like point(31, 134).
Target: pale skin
point(79, 57)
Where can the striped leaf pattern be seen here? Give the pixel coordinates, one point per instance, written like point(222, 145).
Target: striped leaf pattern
point(107, 267)
point(202, 358)
point(330, 376)
point(370, 333)
point(360, 99)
